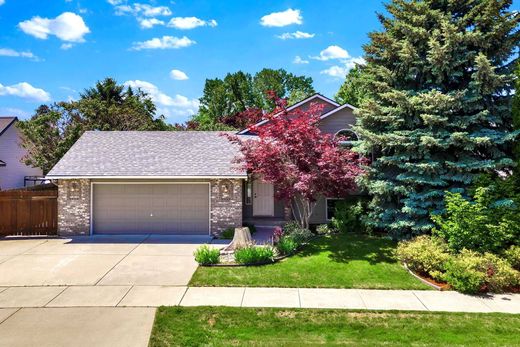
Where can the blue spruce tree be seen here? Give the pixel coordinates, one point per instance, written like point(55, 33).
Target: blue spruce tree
point(439, 81)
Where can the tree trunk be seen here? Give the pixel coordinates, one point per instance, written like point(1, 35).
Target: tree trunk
point(303, 211)
point(241, 239)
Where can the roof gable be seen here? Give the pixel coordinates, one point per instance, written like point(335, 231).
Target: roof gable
point(5, 123)
point(315, 97)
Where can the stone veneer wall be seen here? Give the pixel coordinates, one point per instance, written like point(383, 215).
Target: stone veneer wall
point(226, 209)
point(73, 207)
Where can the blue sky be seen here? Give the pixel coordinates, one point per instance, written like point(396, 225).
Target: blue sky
point(52, 49)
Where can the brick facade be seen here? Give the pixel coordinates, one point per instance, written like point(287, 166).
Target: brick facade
point(226, 208)
point(74, 206)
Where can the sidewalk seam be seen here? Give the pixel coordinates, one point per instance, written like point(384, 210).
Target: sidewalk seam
point(124, 296)
point(422, 303)
point(243, 295)
point(51, 300)
point(183, 295)
point(116, 264)
point(12, 314)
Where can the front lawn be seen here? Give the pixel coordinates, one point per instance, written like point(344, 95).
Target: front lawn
point(226, 326)
point(336, 261)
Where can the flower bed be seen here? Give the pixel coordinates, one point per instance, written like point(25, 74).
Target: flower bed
point(287, 241)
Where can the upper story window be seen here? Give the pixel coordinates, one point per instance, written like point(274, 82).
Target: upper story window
point(346, 137)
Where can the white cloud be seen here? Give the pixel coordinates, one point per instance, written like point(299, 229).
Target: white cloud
point(178, 75)
point(165, 42)
point(140, 9)
point(11, 111)
point(295, 35)
point(2, 2)
point(8, 52)
point(114, 2)
point(25, 90)
point(341, 71)
point(281, 19)
point(186, 23)
point(335, 71)
point(176, 106)
point(148, 23)
point(332, 52)
point(299, 60)
point(67, 26)
point(66, 46)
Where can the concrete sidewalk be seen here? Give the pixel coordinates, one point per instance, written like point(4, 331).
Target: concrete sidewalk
point(153, 296)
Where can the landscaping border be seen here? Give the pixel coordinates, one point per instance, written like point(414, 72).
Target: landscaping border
point(423, 280)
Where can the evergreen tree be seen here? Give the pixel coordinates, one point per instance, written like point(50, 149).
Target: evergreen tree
point(438, 105)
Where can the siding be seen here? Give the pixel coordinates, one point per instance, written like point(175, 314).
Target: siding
point(343, 119)
point(12, 175)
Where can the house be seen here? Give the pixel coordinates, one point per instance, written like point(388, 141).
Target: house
point(12, 169)
point(169, 182)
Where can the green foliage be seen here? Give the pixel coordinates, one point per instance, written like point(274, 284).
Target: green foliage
point(228, 234)
point(424, 255)
point(53, 129)
point(471, 272)
point(286, 245)
point(483, 225)
point(437, 111)
point(347, 216)
point(252, 228)
point(206, 255)
point(352, 90)
point(323, 229)
point(516, 119)
point(513, 256)
point(293, 230)
point(254, 255)
point(240, 91)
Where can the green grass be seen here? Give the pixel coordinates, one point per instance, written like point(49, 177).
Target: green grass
point(337, 261)
point(226, 326)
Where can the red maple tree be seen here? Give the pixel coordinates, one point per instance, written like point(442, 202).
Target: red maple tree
point(303, 163)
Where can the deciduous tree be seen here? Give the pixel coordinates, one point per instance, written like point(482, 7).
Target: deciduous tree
point(53, 129)
point(303, 163)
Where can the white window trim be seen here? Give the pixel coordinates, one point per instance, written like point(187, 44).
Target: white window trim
point(347, 142)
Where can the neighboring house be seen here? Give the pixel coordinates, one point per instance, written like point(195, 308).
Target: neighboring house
point(12, 170)
point(169, 182)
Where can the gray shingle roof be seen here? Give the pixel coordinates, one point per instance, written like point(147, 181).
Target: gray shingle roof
point(5, 122)
point(149, 153)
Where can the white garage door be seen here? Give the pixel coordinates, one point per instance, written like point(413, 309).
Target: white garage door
point(181, 209)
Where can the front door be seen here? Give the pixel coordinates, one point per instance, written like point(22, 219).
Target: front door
point(263, 198)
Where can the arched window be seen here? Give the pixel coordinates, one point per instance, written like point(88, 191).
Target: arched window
point(346, 137)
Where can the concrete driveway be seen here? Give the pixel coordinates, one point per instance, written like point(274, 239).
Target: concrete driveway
point(99, 261)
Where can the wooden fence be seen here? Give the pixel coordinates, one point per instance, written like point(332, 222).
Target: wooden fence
point(28, 212)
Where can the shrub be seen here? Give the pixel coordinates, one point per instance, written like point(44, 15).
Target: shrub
point(286, 245)
point(323, 229)
point(483, 225)
point(425, 255)
point(513, 256)
point(297, 233)
point(471, 272)
point(254, 255)
point(205, 255)
point(228, 234)
point(347, 216)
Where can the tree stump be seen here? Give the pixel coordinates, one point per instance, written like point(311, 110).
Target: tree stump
point(241, 239)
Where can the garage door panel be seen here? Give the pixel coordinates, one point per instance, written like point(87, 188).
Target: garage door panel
point(151, 208)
